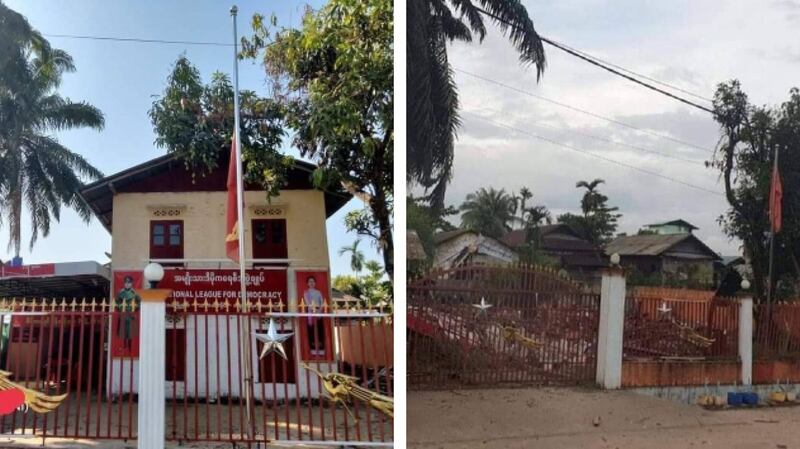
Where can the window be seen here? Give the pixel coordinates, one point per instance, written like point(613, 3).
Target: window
point(269, 239)
point(175, 354)
point(166, 239)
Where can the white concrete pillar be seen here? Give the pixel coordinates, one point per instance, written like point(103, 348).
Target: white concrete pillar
point(152, 370)
point(612, 319)
point(746, 339)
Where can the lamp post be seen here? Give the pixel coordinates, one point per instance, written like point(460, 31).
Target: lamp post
point(152, 369)
point(153, 274)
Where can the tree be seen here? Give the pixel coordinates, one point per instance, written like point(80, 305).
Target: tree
point(535, 216)
point(427, 221)
point(345, 283)
point(375, 290)
point(196, 122)
point(744, 157)
point(489, 212)
point(356, 256)
point(525, 194)
point(372, 289)
point(432, 96)
point(598, 221)
point(36, 171)
point(338, 99)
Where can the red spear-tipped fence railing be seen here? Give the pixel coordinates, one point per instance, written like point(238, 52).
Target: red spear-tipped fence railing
point(674, 327)
point(540, 329)
point(777, 331)
point(67, 346)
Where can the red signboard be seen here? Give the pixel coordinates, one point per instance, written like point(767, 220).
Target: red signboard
point(124, 323)
point(45, 269)
point(264, 286)
point(316, 334)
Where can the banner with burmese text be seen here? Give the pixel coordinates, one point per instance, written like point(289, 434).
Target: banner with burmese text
point(211, 285)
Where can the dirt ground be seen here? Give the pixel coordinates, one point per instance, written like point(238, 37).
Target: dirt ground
point(188, 421)
point(565, 418)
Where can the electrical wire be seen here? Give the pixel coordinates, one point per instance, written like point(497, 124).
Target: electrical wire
point(137, 40)
point(582, 111)
point(597, 156)
point(607, 140)
point(601, 65)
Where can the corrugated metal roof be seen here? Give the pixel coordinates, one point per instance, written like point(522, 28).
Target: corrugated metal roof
point(440, 237)
point(653, 245)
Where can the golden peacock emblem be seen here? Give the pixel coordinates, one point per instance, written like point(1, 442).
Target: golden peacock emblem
point(341, 388)
point(33, 400)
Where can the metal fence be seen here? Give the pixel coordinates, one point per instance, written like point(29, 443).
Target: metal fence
point(75, 348)
point(672, 327)
point(777, 331)
point(481, 326)
point(290, 404)
point(58, 347)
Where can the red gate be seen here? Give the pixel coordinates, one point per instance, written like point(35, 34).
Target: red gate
point(57, 347)
point(482, 326)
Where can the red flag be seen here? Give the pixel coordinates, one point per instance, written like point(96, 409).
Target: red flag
point(231, 222)
point(775, 197)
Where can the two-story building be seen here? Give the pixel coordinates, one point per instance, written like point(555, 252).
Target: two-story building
point(158, 211)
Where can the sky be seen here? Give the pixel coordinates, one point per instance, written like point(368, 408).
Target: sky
point(691, 44)
point(121, 79)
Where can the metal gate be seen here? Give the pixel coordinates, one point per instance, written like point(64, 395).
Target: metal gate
point(68, 351)
point(495, 326)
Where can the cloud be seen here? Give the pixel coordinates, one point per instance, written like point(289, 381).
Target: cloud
point(693, 45)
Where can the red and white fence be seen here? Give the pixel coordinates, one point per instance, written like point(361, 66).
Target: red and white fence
point(80, 348)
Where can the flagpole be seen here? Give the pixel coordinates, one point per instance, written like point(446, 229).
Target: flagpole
point(244, 336)
point(771, 233)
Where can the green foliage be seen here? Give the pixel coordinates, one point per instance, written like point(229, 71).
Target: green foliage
point(427, 221)
point(598, 221)
point(432, 96)
point(744, 157)
point(334, 79)
point(356, 256)
point(371, 289)
point(196, 122)
point(489, 212)
point(345, 283)
point(37, 172)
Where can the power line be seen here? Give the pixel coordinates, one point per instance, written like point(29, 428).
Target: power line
point(602, 66)
point(597, 156)
point(671, 86)
point(583, 111)
point(137, 40)
point(611, 141)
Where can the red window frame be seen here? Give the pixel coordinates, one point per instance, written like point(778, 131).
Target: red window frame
point(269, 239)
point(163, 242)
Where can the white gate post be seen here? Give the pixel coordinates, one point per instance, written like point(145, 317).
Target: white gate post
point(612, 320)
point(746, 339)
point(152, 370)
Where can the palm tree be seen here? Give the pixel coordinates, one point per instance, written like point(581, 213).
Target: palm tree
point(591, 197)
point(536, 215)
point(599, 220)
point(36, 171)
point(432, 94)
point(356, 256)
point(524, 195)
point(489, 212)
